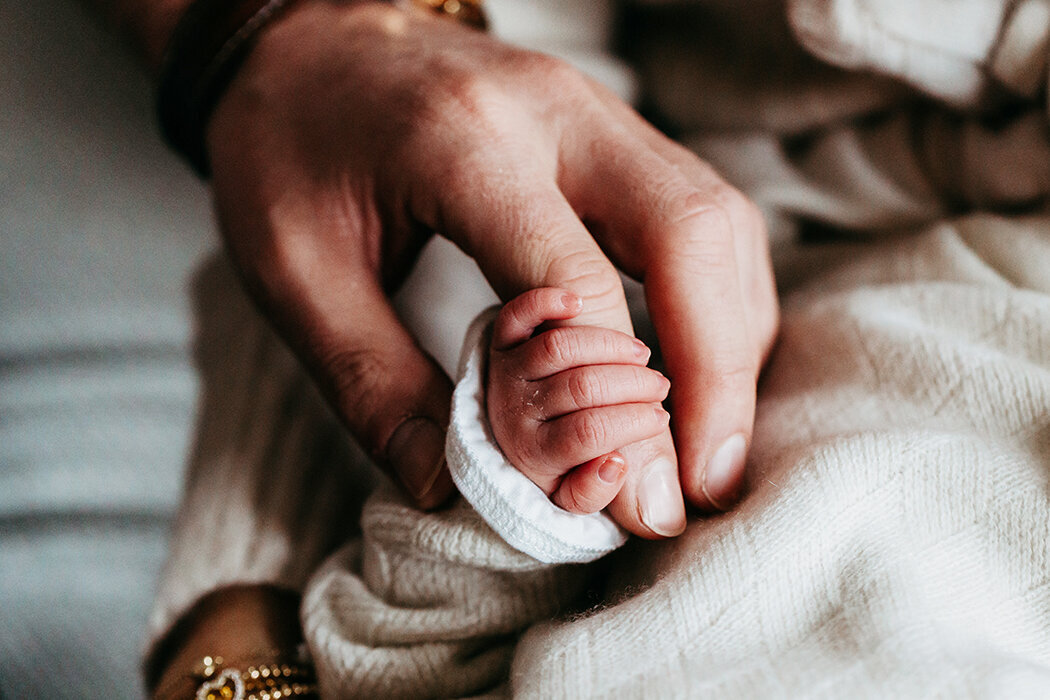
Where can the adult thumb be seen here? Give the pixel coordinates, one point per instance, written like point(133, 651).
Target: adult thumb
point(391, 395)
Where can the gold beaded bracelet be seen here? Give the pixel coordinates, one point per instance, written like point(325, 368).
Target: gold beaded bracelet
point(278, 676)
point(268, 681)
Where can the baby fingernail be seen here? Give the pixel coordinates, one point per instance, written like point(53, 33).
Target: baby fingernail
point(612, 469)
point(640, 349)
point(660, 499)
point(571, 302)
point(417, 453)
point(724, 476)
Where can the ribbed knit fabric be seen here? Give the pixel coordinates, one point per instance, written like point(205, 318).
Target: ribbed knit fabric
point(426, 605)
point(896, 541)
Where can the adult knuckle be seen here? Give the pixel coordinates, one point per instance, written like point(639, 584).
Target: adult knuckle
point(469, 97)
point(701, 219)
point(681, 202)
point(734, 372)
point(592, 277)
point(699, 235)
point(676, 202)
point(732, 199)
point(742, 216)
point(534, 66)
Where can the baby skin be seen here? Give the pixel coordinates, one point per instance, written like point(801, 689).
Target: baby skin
point(562, 400)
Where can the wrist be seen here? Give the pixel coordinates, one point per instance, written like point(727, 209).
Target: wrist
point(247, 624)
point(206, 49)
point(211, 41)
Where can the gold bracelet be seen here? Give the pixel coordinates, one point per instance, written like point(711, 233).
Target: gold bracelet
point(265, 681)
point(268, 681)
point(279, 676)
point(469, 12)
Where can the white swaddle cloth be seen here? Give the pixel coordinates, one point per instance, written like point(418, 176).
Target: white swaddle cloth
point(516, 508)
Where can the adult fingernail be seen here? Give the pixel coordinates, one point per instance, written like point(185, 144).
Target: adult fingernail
point(660, 499)
point(724, 476)
point(417, 453)
point(612, 469)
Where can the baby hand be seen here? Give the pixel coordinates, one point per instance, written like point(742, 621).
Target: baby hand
point(562, 401)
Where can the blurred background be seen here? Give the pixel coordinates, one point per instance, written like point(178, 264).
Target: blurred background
point(100, 227)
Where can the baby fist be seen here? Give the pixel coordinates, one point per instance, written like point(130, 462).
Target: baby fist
point(561, 401)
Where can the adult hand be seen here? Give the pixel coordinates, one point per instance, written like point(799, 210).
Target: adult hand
point(355, 130)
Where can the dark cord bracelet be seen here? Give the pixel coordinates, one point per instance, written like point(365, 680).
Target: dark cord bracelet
point(209, 43)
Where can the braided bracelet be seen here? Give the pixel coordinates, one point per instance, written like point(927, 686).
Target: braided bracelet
point(211, 41)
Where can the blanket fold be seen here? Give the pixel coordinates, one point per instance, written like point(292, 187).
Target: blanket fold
point(426, 605)
point(896, 541)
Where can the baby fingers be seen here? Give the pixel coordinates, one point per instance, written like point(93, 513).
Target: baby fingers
point(590, 487)
point(581, 436)
point(523, 314)
point(598, 385)
point(561, 349)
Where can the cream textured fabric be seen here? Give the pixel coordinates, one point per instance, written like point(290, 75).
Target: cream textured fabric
point(950, 48)
point(895, 543)
point(426, 605)
point(518, 510)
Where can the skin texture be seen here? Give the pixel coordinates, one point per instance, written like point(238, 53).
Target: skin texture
point(354, 130)
point(561, 401)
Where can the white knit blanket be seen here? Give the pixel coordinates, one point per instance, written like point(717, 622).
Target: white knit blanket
point(896, 540)
point(895, 543)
